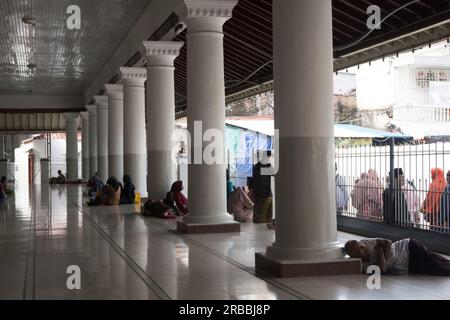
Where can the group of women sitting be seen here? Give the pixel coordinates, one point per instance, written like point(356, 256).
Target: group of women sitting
point(240, 203)
point(113, 193)
point(174, 204)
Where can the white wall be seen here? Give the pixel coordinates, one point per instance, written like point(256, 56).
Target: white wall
point(344, 83)
point(375, 85)
point(58, 158)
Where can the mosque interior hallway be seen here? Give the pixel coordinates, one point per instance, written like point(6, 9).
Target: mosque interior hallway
point(123, 255)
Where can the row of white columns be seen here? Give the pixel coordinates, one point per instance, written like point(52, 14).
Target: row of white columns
point(306, 222)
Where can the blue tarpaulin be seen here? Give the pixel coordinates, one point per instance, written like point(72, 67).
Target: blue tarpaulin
point(242, 144)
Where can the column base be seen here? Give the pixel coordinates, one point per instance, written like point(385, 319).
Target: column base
point(292, 269)
point(190, 228)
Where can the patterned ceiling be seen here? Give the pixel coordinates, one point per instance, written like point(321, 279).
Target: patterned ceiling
point(66, 60)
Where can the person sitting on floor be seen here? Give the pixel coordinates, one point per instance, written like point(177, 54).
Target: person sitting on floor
point(2, 191)
point(400, 257)
point(158, 209)
point(95, 185)
point(170, 202)
point(128, 194)
point(4, 185)
point(180, 200)
point(240, 205)
point(111, 193)
point(60, 179)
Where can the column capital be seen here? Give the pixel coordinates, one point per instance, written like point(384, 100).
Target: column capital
point(102, 102)
point(71, 115)
point(92, 109)
point(133, 76)
point(208, 15)
point(114, 91)
point(162, 53)
point(84, 115)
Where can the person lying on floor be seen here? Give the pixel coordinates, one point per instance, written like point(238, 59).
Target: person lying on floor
point(400, 257)
point(158, 209)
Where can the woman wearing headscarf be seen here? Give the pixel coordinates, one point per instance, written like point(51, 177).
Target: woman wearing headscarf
point(432, 203)
point(445, 202)
point(367, 195)
point(128, 193)
point(240, 205)
point(95, 186)
point(111, 192)
point(180, 200)
point(413, 203)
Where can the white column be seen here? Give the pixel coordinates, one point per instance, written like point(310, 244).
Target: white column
point(45, 171)
point(2, 146)
point(93, 165)
point(85, 144)
point(9, 148)
point(102, 136)
point(306, 228)
point(3, 167)
point(115, 130)
point(72, 145)
point(134, 140)
point(3, 160)
point(160, 115)
point(206, 105)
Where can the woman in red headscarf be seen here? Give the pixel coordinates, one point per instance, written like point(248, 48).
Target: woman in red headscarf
point(180, 200)
point(431, 205)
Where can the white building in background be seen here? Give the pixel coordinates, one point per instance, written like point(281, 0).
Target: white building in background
point(344, 83)
point(417, 87)
point(32, 150)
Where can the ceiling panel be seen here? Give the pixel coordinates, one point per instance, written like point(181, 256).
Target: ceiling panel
point(66, 60)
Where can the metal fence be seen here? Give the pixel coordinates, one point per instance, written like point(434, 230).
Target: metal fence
point(419, 197)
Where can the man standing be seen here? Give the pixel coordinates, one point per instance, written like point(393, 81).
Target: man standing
point(395, 206)
point(262, 191)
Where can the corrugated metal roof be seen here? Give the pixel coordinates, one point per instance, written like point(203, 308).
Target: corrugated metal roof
point(248, 38)
point(266, 125)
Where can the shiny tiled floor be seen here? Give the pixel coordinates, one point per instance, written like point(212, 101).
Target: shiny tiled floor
point(125, 256)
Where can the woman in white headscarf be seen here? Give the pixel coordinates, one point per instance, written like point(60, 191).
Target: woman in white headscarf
point(367, 195)
point(240, 205)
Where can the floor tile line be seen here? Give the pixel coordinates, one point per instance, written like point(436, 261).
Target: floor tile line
point(391, 278)
point(34, 244)
point(30, 266)
point(262, 276)
point(144, 276)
